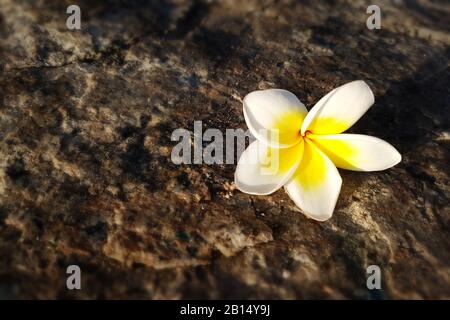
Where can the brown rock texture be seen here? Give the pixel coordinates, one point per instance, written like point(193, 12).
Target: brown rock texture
point(86, 177)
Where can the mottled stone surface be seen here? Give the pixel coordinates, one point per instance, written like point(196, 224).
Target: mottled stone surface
point(85, 170)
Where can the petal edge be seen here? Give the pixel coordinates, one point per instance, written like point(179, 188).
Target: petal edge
point(339, 109)
point(262, 170)
point(274, 116)
point(316, 184)
point(357, 152)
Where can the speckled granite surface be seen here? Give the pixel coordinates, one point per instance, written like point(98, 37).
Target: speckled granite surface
point(85, 171)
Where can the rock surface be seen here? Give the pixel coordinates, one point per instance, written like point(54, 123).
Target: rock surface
point(86, 176)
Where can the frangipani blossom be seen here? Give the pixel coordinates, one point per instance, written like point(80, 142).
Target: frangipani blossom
point(304, 148)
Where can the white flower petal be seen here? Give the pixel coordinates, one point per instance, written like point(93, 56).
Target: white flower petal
point(357, 152)
point(339, 109)
point(274, 116)
point(316, 184)
point(262, 170)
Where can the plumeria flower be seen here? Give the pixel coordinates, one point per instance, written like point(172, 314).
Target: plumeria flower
point(302, 149)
